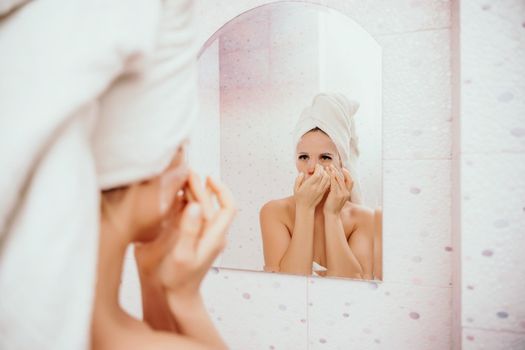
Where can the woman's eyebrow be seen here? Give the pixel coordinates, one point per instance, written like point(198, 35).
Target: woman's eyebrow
point(327, 154)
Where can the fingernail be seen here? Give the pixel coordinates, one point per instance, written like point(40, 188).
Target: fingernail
point(194, 210)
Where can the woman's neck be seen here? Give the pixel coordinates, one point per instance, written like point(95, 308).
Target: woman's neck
point(112, 249)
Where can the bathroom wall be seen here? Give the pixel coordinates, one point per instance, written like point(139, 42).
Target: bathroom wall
point(411, 309)
point(471, 173)
point(492, 175)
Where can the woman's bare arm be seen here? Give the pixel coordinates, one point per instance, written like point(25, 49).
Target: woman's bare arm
point(361, 241)
point(282, 252)
point(378, 243)
point(341, 260)
point(155, 309)
point(352, 258)
point(124, 332)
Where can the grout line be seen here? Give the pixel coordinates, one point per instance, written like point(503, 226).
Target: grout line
point(307, 313)
point(494, 330)
point(415, 159)
point(492, 153)
point(411, 32)
point(409, 284)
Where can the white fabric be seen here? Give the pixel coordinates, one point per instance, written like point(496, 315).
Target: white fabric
point(144, 117)
point(57, 62)
point(7, 6)
point(334, 114)
point(316, 268)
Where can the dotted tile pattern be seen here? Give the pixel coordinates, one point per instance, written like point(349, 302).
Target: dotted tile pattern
point(412, 308)
point(492, 120)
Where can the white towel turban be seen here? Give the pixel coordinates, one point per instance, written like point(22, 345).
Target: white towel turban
point(145, 117)
point(60, 108)
point(334, 114)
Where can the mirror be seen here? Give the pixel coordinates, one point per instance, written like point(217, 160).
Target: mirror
point(258, 75)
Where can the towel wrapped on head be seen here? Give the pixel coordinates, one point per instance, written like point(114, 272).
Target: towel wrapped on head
point(145, 117)
point(334, 115)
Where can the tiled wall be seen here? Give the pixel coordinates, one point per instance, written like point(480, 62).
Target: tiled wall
point(492, 121)
point(411, 309)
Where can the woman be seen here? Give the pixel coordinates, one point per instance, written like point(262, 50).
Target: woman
point(176, 244)
point(152, 200)
point(103, 105)
point(323, 228)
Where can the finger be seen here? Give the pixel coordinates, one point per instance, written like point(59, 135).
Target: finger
point(200, 195)
point(171, 222)
point(213, 240)
point(208, 189)
point(325, 184)
point(149, 254)
point(318, 174)
point(337, 172)
point(340, 179)
point(348, 180)
point(298, 182)
point(171, 182)
point(317, 169)
point(223, 194)
point(189, 196)
point(189, 230)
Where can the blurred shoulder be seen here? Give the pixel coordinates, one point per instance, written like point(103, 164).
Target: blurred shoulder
point(360, 213)
point(277, 206)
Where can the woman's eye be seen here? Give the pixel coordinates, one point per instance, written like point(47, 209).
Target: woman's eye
point(326, 158)
point(303, 157)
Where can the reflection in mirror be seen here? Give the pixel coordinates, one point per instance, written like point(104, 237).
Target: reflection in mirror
point(291, 121)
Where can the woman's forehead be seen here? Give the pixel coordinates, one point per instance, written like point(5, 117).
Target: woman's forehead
point(316, 141)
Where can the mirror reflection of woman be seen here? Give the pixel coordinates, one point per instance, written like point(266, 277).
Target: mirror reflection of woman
point(323, 228)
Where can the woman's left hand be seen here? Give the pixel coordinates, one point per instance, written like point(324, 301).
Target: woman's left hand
point(340, 189)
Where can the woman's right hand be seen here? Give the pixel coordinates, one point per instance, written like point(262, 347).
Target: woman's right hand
point(200, 238)
point(308, 193)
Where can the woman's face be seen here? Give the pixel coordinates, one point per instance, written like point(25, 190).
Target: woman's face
point(315, 147)
point(155, 198)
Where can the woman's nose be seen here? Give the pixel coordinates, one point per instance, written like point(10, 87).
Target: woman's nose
point(311, 167)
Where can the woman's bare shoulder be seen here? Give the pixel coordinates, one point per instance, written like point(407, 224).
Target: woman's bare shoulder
point(281, 204)
point(359, 212)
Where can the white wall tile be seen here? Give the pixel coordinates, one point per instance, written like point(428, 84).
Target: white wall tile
point(257, 310)
point(477, 339)
point(416, 95)
point(376, 17)
point(416, 222)
point(493, 76)
point(345, 314)
point(493, 240)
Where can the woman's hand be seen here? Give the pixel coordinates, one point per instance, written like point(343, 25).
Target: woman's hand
point(149, 255)
point(200, 238)
point(340, 189)
point(308, 193)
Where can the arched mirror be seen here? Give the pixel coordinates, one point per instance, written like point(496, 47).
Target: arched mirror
point(260, 76)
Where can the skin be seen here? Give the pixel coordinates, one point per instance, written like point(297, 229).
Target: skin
point(319, 223)
point(172, 260)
